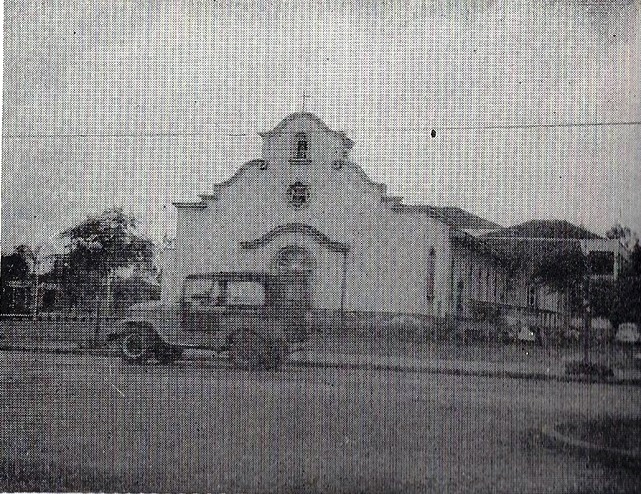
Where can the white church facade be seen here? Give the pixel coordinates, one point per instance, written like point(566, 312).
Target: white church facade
point(305, 209)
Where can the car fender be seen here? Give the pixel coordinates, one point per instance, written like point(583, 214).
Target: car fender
point(123, 327)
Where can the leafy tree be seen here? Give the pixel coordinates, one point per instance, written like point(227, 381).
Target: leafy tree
point(99, 245)
point(17, 267)
point(618, 300)
point(626, 306)
point(603, 296)
point(559, 265)
point(623, 300)
point(632, 268)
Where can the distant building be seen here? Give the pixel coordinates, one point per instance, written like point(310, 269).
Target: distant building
point(606, 255)
point(539, 303)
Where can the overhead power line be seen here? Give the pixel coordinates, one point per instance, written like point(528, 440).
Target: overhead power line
point(548, 126)
point(140, 134)
point(418, 130)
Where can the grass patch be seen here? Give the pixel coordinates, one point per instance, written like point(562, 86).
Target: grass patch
point(609, 432)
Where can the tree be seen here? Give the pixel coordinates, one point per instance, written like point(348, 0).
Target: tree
point(626, 306)
point(627, 237)
point(620, 299)
point(558, 265)
point(98, 246)
point(632, 268)
point(17, 265)
point(18, 279)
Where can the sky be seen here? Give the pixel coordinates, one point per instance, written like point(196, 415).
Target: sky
point(137, 104)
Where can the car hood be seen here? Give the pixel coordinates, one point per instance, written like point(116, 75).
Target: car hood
point(154, 307)
point(144, 306)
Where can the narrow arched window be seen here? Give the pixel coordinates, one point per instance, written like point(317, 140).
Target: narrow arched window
point(431, 273)
point(496, 284)
point(487, 285)
point(532, 296)
point(300, 151)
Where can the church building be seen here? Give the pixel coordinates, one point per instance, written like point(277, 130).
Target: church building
point(305, 210)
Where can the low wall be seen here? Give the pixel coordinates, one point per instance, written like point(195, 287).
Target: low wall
point(88, 329)
point(85, 329)
point(417, 327)
point(382, 324)
point(76, 329)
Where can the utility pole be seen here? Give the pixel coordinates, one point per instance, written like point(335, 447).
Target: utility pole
point(587, 316)
point(36, 294)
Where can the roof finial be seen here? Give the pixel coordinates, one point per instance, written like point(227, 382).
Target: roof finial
point(305, 96)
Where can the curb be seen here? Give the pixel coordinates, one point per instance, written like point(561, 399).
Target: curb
point(539, 376)
point(58, 351)
point(608, 454)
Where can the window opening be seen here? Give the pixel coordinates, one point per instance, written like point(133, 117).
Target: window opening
point(301, 146)
point(245, 293)
point(532, 302)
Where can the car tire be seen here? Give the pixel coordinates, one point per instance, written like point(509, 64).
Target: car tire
point(278, 354)
point(247, 351)
point(134, 348)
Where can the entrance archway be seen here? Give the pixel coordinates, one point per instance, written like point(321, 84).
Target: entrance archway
point(295, 266)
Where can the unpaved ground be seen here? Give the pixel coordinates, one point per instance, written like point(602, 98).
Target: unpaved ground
point(92, 423)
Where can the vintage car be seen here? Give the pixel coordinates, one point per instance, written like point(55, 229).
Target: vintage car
point(247, 314)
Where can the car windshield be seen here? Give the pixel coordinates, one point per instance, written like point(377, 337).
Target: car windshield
point(198, 287)
point(203, 291)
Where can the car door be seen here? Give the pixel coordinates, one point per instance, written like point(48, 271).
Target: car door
point(246, 301)
point(204, 309)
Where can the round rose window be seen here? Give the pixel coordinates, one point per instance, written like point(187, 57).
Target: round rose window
point(298, 194)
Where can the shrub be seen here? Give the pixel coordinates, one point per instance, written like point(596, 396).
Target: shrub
point(578, 367)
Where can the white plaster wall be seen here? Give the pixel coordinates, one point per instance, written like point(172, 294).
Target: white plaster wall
point(170, 285)
point(388, 257)
point(388, 264)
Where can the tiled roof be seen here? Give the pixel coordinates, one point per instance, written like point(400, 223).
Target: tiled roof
point(459, 218)
point(534, 229)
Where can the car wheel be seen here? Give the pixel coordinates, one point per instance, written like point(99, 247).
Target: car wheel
point(278, 354)
point(166, 354)
point(134, 348)
point(247, 351)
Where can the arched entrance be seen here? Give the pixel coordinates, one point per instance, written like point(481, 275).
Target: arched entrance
point(294, 265)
